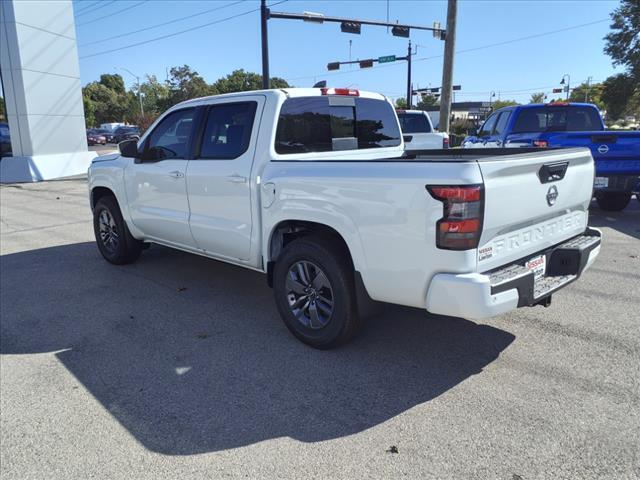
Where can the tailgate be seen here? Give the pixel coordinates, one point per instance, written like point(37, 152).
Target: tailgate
point(533, 201)
point(615, 153)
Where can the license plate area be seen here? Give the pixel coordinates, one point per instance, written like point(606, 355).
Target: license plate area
point(538, 265)
point(601, 182)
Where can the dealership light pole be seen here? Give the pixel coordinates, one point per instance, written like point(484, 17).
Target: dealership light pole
point(568, 87)
point(139, 91)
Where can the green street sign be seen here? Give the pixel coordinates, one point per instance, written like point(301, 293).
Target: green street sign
point(387, 59)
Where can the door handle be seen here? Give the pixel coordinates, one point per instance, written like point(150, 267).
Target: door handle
point(176, 174)
point(235, 178)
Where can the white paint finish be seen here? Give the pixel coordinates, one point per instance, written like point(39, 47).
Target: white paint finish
point(384, 213)
point(40, 72)
point(157, 201)
point(468, 296)
point(380, 208)
point(518, 220)
point(220, 197)
point(430, 140)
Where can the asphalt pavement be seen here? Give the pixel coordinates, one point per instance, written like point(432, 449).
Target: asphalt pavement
point(180, 367)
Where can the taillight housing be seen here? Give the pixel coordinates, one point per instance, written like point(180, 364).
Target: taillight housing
point(462, 213)
point(445, 142)
point(540, 143)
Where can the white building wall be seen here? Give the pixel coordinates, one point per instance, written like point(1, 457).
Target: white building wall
point(41, 80)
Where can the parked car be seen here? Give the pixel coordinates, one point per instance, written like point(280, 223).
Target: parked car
point(418, 131)
point(313, 188)
point(125, 133)
point(94, 138)
point(5, 140)
point(616, 153)
point(107, 134)
point(111, 127)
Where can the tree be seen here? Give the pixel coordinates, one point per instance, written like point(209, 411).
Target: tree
point(113, 82)
point(427, 100)
point(538, 97)
point(590, 93)
point(503, 103)
point(107, 105)
point(623, 43)
point(155, 95)
point(185, 84)
point(617, 91)
point(241, 81)
point(401, 102)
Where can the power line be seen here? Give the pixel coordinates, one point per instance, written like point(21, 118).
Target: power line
point(490, 45)
point(89, 10)
point(86, 7)
point(144, 42)
point(113, 13)
point(160, 24)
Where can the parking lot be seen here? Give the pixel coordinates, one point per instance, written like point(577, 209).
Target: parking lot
point(180, 367)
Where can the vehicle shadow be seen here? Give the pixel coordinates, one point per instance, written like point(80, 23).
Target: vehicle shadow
point(190, 356)
point(627, 221)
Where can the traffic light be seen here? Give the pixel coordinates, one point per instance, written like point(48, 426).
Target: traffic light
point(333, 66)
point(400, 31)
point(557, 90)
point(350, 27)
point(366, 63)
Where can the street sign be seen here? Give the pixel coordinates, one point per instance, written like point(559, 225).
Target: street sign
point(387, 59)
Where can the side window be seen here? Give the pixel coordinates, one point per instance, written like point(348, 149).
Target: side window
point(228, 130)
point(316, 124)
point(487, 128)
point(170, 138)
point(501, 124)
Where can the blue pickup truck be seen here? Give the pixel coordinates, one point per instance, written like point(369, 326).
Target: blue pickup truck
point(554, 125)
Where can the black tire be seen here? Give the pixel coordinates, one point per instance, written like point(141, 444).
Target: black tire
point(121, 248)
point(613, 201)
point(327, 257)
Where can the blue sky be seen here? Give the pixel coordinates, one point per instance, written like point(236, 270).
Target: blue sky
point(299, 51)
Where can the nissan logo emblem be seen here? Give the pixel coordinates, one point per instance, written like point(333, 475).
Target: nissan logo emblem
point(603, 149)
point(552, 195)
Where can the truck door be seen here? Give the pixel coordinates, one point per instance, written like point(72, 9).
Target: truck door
point(219, 177)
point(485, 132)
point(155, 182)
point(496, 139)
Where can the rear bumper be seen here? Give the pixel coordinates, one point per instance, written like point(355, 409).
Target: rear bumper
point(477, 296)
point(618, 183)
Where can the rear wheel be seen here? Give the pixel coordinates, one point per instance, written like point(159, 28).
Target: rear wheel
point(613, 201)
point(115, 242)
point(314, 292)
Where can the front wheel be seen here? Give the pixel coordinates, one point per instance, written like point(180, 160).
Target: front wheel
point(115, 242)
point(613, 201)
point(314, 292)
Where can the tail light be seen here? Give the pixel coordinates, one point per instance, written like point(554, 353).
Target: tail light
point(540, 143)
point(445, 142)
point(351, 92)
point(461, 224)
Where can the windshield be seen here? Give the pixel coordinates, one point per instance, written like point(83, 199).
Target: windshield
point(557, 119)
point(414, 123)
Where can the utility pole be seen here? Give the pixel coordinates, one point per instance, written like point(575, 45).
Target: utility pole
point(447, 71)
point(264, 16)
point(409, 96)
point(586, 92)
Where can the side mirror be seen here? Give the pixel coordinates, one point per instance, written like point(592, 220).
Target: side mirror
point(129, 148)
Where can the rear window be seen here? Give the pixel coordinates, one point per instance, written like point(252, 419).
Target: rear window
point(414, 123)
point(334, 123)
point(557, 119)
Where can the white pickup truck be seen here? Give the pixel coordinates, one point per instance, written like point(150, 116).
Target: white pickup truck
point(313, 188)
point(418, 132)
